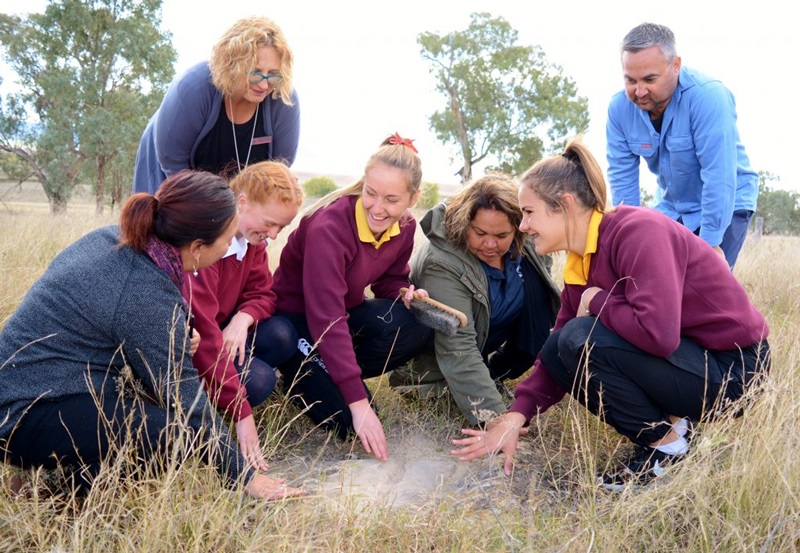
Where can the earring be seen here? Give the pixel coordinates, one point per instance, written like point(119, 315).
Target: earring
point(194, 272)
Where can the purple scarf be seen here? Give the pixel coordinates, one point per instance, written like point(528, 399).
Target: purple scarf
point(167, 258)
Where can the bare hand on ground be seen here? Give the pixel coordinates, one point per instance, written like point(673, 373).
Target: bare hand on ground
point(262, 486)
point(502, 434)
point(369, 428)
point(249, 443)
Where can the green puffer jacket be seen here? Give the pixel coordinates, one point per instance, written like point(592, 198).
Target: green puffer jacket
point(456, 278)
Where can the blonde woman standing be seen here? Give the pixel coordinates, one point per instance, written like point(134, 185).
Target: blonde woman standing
point(238, 108)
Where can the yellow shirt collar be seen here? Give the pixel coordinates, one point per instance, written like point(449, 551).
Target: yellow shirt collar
point(576, 267)
point(365, 234)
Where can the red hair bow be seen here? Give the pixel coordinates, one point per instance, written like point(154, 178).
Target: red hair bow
point(397, 139)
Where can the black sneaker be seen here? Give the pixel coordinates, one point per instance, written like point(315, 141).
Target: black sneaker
point(646, 465)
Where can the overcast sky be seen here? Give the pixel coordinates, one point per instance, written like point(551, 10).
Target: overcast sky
point(360, 76)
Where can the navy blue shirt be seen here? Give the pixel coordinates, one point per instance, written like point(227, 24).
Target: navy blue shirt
point(506, 297)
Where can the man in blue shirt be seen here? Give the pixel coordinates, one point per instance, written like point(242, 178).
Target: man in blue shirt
point(683, 123)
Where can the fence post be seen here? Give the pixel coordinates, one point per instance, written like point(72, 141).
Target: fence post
point(759, 228)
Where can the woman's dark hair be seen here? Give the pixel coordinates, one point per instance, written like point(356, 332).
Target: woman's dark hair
point(495, 191)
point(189, 206)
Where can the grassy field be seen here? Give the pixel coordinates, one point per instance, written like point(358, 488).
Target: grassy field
point(739, 490)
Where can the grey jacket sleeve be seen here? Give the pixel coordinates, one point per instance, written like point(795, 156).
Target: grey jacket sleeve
point(155, 340)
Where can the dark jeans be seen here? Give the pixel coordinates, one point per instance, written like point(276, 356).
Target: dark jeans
point(735, 234)
point(635, 391)
point(273, 342)
point(382, 341)
point(75, 434)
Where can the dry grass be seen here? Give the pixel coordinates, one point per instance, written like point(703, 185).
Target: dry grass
point(738, 490)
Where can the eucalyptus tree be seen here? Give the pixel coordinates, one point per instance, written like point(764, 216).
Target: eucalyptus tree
point(778, 208)
point(89, 74)
point(505, 101)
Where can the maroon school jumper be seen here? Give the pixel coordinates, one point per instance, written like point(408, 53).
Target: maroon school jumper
point(660, 282)
point(216, 294)
point(323, 271)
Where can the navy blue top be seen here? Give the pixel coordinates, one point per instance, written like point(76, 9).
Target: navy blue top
point(506, 297)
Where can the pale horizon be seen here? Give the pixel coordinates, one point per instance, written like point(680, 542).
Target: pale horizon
point(360, 77)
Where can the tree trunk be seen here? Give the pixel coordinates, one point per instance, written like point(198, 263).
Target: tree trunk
point(461, 130)
point(466, 171)
point(100, 190)
point(58, 204)
point(758, 231)
point(59, 187)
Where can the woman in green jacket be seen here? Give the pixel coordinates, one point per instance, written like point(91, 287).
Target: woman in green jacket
point(476, 260)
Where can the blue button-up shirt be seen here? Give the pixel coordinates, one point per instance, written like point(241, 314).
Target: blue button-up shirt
point(702, 170)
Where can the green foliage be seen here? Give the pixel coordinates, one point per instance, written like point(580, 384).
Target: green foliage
point(645, 197)
point(91, 74)
point(13, 167)
point(17, 139)
point(780, 209)
point(429, 196)
point(317, 187)
point(504, 100)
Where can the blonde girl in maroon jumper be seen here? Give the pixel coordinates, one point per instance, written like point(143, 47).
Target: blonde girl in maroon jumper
point(358, 237)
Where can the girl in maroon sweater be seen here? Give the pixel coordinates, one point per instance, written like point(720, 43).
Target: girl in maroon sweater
point(654, 331)
point(233, 303)
point(358, 237)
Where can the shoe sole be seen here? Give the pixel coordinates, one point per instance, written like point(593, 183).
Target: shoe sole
point(634, 486)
